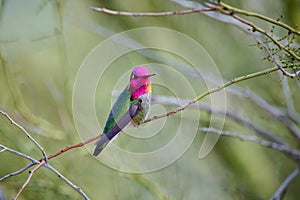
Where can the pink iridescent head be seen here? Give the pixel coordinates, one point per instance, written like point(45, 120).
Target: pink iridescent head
point(140, 81)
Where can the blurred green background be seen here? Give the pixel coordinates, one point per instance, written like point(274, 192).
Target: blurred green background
point(42, 45)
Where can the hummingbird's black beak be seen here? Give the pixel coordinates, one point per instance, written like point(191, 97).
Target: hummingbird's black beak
point(147, 76)
point(151, 75)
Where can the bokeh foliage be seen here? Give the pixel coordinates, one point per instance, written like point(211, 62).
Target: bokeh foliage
point(42, 45)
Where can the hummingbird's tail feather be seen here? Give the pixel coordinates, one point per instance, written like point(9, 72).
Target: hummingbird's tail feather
point(101, 144)
point(122, 122)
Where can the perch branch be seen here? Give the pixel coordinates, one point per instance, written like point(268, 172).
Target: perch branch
point(67, 148)
point(172, 112)
point(209, 92)
point(233, 81)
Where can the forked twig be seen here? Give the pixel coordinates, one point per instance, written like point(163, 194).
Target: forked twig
point(26, 133)
point(29, 178)
point(17, 172)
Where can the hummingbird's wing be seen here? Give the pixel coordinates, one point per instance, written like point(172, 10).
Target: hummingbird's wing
point(120, 107)
point(120, 115)
point(124, 120)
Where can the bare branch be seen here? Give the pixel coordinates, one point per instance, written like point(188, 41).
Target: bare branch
point(275, 112)
point(279, 193)
point(150, 14)
point(25, 132)
point(280, 147)
point(17, 172)
point(18, 153)
point(78, 189)
point(278, 113)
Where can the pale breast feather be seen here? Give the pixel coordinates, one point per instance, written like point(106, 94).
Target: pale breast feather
point(143, 113)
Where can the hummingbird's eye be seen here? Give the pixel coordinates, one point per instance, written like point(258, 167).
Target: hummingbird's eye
point(134, 76)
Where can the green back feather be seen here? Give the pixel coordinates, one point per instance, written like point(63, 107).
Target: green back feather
point(120, 107)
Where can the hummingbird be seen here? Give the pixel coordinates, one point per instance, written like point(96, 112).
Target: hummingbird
point(132, 106)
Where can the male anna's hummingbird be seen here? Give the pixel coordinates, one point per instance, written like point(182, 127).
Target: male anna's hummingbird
point(132, 105)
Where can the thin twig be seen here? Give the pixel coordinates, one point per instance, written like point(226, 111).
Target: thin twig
point(26, 133)
point(274, 60)
point(29, 178)
point(17, 172)
point(150, 14)
point(259, 16)
point(78, 189)
point(265, 33)
point(279, 193)
point(19, 154)
point(280, 147)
